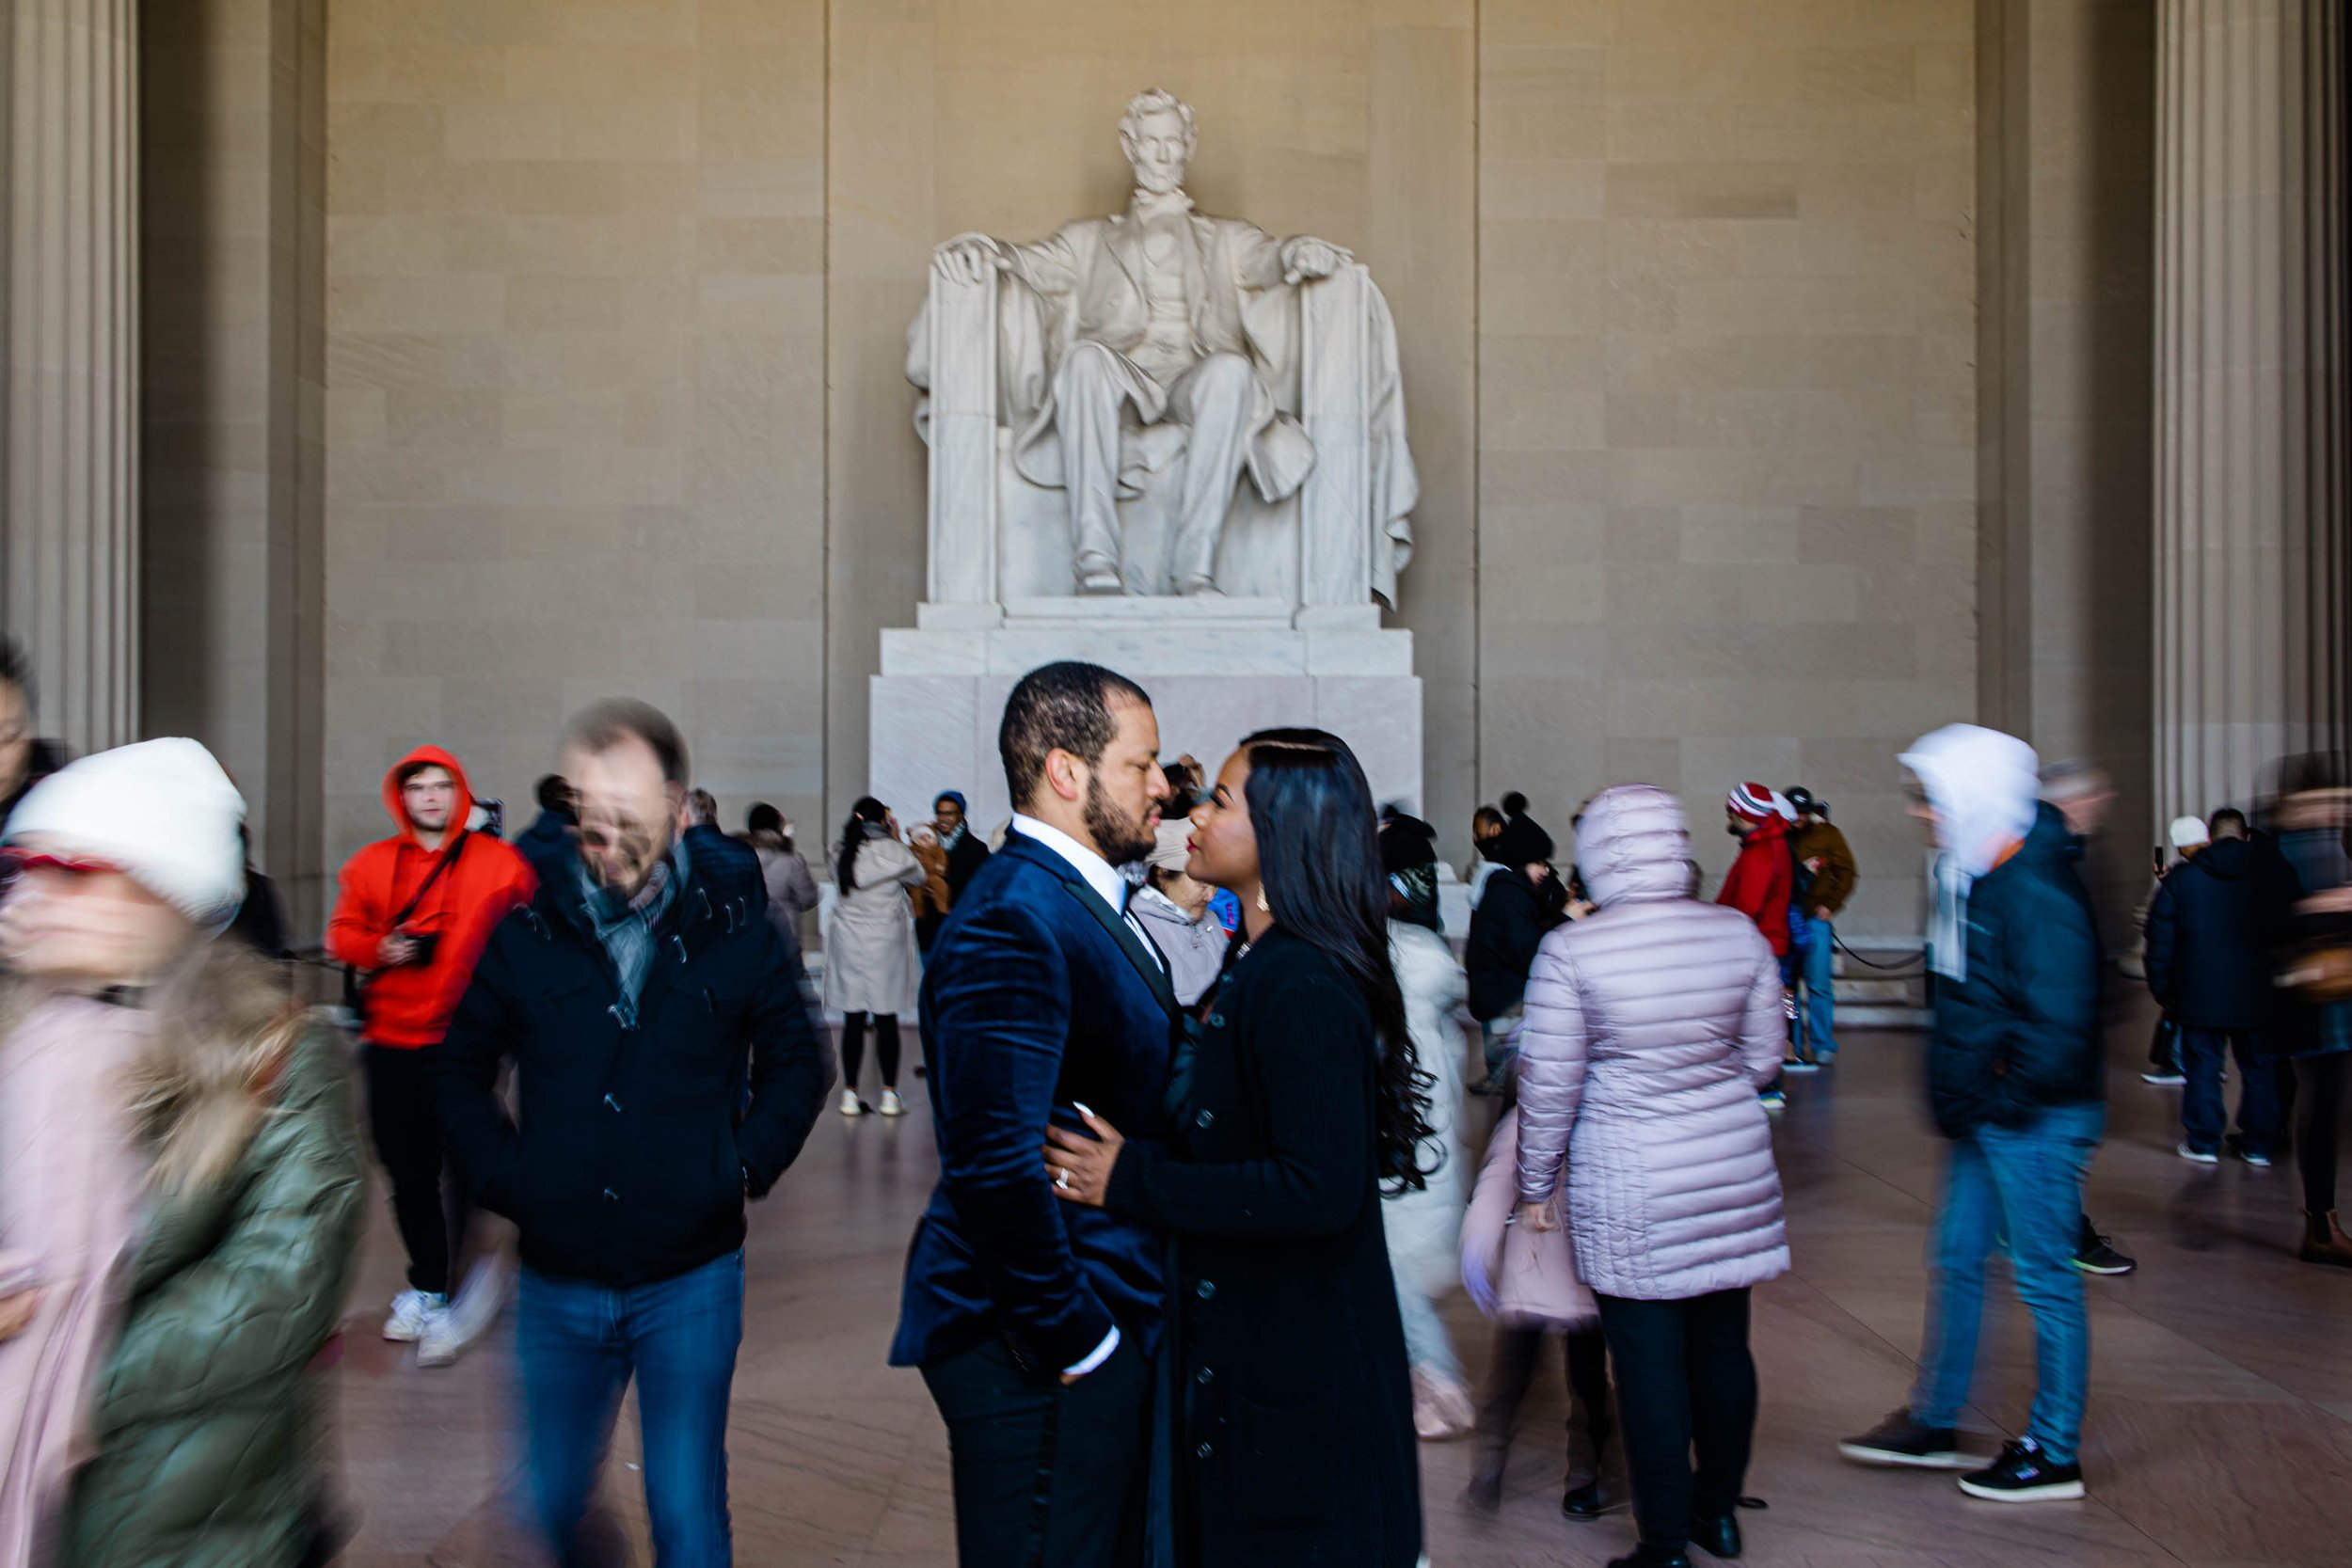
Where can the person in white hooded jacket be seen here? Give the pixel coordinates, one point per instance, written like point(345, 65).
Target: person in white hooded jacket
point(2016, 1080)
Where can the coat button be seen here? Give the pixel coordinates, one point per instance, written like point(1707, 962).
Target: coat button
point(1216, 1021)
point(1206, 1290)
point(1203, 1451)
point(1205, 1119)
point(1205, 1376)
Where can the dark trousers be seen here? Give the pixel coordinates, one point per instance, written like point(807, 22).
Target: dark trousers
point(1046, 1476)
point(428, 1198)
point(1517, 1353)
point(578, 1344)
point(2204, 1112)
point(1685, 1382)
point(2318, 1112)
point(886, 1046)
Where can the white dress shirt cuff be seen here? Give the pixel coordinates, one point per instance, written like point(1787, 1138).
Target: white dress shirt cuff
point(1102, 1353)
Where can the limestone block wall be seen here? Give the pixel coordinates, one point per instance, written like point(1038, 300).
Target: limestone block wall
point(575, 386)
point(1726, 421)
point(617, 289)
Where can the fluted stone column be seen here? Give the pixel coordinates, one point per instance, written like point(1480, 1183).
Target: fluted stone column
point(69, 434)
point(2252, 566)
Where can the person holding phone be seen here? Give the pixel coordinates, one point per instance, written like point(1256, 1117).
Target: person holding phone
point(412, 916)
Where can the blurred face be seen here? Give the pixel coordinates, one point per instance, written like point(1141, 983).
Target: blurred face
point(1158, 149)
point(1223, 850)
point(16, 736)
point(83, 922)
point(947, 815)
point(1485, 828)
point(429, 796)
point(2087, 811)
point(1916, 807)
point(628, 814)
point(1126, 786)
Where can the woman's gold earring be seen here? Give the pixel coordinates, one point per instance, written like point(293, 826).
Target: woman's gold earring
point(1264, 908)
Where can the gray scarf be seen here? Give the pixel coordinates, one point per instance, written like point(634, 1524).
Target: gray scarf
point(625, 923)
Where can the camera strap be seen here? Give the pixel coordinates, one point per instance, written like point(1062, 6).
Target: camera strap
point(441, 863)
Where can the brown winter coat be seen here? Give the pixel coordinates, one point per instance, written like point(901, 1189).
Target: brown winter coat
point(1834, 879)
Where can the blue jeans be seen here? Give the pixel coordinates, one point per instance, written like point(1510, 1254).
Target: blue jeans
point(2027, 1184)
point(2205, 1113)
point(579, 1345)
point(1820, 992)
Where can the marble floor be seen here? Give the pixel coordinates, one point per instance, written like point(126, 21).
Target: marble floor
point(2220, 1427)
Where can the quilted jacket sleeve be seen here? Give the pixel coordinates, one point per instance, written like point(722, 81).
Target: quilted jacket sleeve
point(267, 1294)
point(1763, 1025)
point(1553, 1049)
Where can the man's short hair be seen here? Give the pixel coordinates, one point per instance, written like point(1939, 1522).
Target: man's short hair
point(1060, 707)
point(2072, 780)
point(764, 818)
point(2229, 822)
point(600, 726)
point(554, 793)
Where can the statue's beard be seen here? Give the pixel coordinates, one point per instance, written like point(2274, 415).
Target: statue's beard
point(1117, 838)
point(1159, 182)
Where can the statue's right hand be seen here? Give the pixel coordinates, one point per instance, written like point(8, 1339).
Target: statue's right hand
point(969, 257)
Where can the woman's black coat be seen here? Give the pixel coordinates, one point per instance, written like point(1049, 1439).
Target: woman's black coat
point(1293, 1405)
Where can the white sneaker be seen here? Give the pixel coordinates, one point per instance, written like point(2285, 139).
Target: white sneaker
point(2197, 1156)
point(412, 1311)
point(892, 1105)
point(438, 1345)
point(477, 1305)
point(850, 1104)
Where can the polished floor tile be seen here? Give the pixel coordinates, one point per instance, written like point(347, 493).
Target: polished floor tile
point(2220, 1427)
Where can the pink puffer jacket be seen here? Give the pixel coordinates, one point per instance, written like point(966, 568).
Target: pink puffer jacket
point(1651, 1028)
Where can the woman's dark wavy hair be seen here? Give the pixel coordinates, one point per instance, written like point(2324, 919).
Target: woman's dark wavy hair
point(1319, 863)
point(867, 813)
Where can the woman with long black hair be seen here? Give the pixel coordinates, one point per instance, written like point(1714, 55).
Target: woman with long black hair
point(871, 969)
point(1297, 1099)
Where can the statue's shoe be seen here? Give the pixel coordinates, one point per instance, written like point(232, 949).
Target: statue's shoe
point(1099, 576)
point(1199, 588)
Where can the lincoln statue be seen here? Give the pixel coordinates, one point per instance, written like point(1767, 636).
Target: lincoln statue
point(1164, 329)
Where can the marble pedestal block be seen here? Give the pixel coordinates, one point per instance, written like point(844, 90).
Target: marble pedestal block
point(1217, 669)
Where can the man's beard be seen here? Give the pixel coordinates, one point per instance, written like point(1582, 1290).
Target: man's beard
point(1116, 838)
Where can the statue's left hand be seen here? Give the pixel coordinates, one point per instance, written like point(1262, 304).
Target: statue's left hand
point(1304, 257)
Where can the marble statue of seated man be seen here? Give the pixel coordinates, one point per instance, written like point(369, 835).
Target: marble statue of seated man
point(1160, 300)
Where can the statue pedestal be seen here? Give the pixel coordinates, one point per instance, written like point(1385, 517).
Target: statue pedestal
point(1217, 669)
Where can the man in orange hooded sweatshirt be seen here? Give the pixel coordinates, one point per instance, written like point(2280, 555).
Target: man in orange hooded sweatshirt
point(413, 915)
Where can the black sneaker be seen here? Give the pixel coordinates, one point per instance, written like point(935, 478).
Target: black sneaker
point(2024, 1474)
point(2098, 1255)
point(1898, 1440)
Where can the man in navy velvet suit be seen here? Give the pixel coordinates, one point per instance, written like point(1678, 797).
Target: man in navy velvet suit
point(1033, 1321)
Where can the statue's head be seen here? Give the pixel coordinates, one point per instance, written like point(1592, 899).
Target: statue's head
point(1157, 137)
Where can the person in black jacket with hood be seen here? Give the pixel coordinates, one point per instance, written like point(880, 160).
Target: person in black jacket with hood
point(636, 992)
point(2211, 936)
point(1522, 901)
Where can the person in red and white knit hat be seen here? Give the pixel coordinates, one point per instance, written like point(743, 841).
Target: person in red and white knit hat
point(1763, 879)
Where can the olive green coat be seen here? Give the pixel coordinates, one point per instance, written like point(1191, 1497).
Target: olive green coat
point(207, 1420)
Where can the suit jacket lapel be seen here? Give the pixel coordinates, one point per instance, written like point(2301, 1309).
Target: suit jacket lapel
point(1154, 974)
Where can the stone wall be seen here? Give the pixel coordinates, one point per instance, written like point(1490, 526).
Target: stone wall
point(618, 290)
point(575, 371)
point(1726, 423)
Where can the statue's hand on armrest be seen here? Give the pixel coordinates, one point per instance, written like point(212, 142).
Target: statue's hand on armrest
point(969, 257)
point(1305, 259)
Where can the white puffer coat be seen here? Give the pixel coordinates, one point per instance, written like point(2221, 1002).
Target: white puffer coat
point(1424, 1226)
point(1651, 1028)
